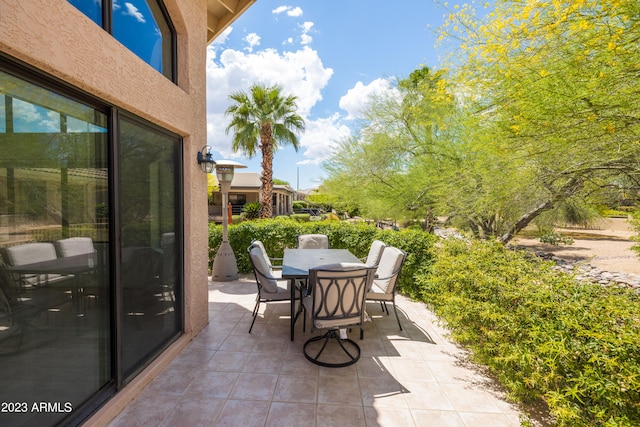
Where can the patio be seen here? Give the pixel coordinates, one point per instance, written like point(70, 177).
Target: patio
point(226, 376)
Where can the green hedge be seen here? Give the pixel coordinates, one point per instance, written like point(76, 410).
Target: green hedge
point(545, 335)
point(280, 233)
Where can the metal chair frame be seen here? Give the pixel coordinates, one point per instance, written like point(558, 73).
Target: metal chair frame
point(337, 301)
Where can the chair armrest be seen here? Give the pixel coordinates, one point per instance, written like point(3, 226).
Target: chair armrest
point(277, 265)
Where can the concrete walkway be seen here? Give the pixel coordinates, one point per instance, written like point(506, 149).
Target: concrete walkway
point(228, 377)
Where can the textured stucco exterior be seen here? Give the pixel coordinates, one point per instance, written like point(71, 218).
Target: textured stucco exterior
point(53, 36)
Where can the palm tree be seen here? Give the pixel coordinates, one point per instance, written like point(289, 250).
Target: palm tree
point(267, 114)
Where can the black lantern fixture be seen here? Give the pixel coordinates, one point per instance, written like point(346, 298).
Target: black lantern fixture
point(205, 159)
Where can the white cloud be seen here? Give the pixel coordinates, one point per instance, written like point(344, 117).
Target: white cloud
point(278, 10)
point(306, 26)
point(300, 73)
point(291, 11)
point(222, 38)
point(295, 12)
point(305, 38)
point(252, 40)
point(321, 138)
point(357, 98)
point(133, 11)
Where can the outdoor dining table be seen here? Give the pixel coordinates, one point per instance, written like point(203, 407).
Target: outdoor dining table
point(70, 266)
point(67, 265)
point(296, 264)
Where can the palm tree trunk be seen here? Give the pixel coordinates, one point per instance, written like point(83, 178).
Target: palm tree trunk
point(266, 146)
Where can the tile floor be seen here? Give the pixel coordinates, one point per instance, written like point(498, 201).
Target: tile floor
point(228, 377)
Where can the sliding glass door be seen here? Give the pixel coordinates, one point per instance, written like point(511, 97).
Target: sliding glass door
point(90, 249)
point(55, 339)
point(148, 205)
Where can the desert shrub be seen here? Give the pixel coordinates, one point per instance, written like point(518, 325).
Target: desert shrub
point(545, 335)
point(635, 223)
point(251, 210)
point(555, 238)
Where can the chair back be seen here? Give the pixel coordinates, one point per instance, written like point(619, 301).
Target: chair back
point(260, 245)
point(375, 252)
point(261, 270)
point(29, 253)
point(313, 241)
point(75, 246)
point(389, 269)
point(338, 294)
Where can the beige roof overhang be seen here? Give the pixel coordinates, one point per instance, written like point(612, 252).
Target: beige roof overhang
point(221, 13)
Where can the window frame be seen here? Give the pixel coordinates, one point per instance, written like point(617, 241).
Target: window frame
point(107, 25)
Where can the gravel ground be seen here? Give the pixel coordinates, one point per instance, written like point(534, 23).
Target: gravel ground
point(607, 247)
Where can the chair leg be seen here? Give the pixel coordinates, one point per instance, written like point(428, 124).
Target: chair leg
point(304, 318)
point(385, 307)
point(353, 353)
point(255, 312)
point(395, 310)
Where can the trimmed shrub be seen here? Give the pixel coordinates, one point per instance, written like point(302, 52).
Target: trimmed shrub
point(301, 217)
point(280, 233)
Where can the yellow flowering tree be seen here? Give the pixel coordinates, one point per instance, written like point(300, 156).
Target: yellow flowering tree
point(554, 84)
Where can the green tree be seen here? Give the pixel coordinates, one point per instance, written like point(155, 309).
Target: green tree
point(381, 170)
point(553, 88)
point(538, 112)
point(264, 119)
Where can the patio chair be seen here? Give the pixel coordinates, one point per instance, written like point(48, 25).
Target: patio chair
point(275, 264)
point(270, 289)
point(375, 252)
point(313, 241)
point(336, 302)
point(384, 284)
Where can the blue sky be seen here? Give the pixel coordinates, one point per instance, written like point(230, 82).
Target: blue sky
point(331, 54)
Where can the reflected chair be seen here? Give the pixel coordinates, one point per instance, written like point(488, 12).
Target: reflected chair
point(30, 253)
point(270, 289)
point(336, 302)
point(313, 241)
point(73, 246)
point(87, 287)
point(383, 288)
point(167, 246)
point(168, 270)
point(375, 252)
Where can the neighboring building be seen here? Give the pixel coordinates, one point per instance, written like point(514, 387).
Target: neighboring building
point(304, 193)
point(245, 188)
point(102, 113)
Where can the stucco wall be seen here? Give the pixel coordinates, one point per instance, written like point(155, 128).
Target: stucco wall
point(55, 37)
